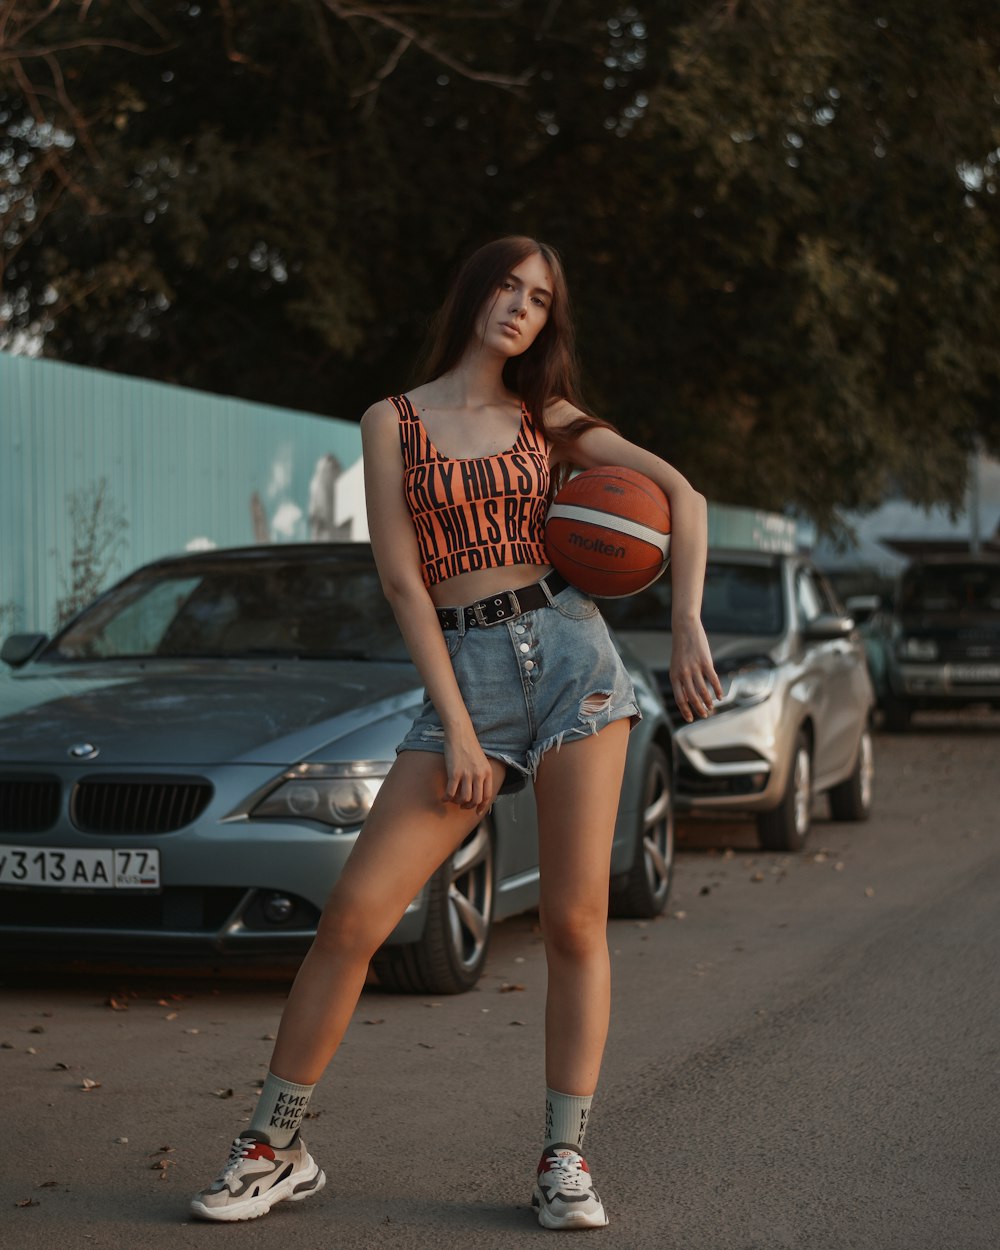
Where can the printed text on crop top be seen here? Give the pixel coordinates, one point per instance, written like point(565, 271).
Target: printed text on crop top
point(483, 512)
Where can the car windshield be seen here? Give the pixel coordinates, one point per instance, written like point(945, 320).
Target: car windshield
point(951, 588)
point(307, 609)
point(739, 599)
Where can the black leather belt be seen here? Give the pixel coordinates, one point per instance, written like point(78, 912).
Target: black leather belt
point(505, 606)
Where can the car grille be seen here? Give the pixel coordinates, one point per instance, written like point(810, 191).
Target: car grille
point(28, 805)
point(182, 909)
point(138, 805)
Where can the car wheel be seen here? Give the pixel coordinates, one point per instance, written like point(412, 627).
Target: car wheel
point(896, 713)
point(852, 799)
point(787, 826)
point(449, 958)
point(643, 890)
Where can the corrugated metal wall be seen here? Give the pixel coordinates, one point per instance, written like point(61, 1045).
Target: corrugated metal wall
point(180, 466)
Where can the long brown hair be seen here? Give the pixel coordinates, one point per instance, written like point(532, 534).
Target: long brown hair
point(548, 370)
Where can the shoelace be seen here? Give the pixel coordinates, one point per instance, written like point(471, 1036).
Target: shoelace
point(237, 1152)
point(568, 1172)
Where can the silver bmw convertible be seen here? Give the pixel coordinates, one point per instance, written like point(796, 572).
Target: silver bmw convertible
point(185, 767)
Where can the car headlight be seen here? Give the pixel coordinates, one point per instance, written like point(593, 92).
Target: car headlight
point(746, 683)
point(339, 796)
point(918, 649)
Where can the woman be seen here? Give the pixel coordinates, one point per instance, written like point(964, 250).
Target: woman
point(526, 684)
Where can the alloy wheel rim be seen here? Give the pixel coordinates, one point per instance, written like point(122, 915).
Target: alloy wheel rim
point(470, 897)
point(803, 792)
point(658, 831)
point(867, 769)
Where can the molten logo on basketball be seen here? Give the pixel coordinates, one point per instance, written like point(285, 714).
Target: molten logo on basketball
point(595, 544)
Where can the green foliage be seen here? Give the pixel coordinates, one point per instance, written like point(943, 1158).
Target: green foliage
point(779, 219)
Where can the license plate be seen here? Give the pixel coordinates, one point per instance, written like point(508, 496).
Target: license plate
point(975, 672)
point(75, 868)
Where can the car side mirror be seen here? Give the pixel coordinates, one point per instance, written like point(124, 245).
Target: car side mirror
point(19, 648)
point(827, 627)
point(863, 607)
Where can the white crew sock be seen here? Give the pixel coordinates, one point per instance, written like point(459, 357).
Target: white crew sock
point(280, 1110)
point(565, 1117)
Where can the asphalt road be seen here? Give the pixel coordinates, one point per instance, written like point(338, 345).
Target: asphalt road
point(804, 1055)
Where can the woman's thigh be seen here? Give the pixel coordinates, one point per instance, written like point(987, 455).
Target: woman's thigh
point(408, 834)
point(577, 791)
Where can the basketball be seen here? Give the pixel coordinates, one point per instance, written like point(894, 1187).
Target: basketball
point(608, 532)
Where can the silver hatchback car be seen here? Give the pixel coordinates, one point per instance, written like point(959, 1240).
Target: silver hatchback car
point(795, 717)
point(186, 766)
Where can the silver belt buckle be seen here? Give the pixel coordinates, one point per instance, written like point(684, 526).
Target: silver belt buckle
point(512, 603)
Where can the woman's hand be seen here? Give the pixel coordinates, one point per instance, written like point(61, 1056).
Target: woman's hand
point(692, 673)
point(470, 777)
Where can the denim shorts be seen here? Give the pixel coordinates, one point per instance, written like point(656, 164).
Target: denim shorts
point(546, 677)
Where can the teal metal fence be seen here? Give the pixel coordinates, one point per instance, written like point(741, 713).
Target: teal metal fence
point(139, 470)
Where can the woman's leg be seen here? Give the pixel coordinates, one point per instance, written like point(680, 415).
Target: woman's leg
point(408, 834)
point(577, 792)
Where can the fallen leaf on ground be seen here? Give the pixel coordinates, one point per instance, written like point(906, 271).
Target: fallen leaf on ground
point(869, 892)
point(171, 1016)
point(48, 1184)
point(89, 1084)
point(6, 1045)
point(680, 915)
point(31, 1050)
point(382, 1021)
point(510, 987)
point(60, 1067)
point(121, 1141)
point(37, 1028)
point(27, 1202)
point(223, 1093)
point(267, 1037)
point(519, 1022)
point(426, 1045)
point(117, 1004)
point(757, 876)
point(192, 1031)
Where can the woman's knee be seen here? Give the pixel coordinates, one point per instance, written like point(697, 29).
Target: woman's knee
point(351, 926)
point(575, 932)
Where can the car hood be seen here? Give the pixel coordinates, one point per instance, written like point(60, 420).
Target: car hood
point(195, 713)
point(654, 646)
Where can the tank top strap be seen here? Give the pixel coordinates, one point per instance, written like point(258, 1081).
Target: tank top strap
point(413, 441)
point(530, 437)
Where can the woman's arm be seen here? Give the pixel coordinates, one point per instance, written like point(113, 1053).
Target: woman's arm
point(394, 541)
point(692, 674)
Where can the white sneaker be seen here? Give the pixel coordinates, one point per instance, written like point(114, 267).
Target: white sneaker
point(564, 1195)
point(256, 1176)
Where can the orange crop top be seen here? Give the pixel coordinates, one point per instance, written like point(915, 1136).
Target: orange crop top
point(477, 513)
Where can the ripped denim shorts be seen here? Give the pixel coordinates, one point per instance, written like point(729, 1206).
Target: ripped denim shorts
point(546, 677)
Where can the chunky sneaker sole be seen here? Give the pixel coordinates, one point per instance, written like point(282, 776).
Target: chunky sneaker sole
point(564, 1195)
point(256, 1177)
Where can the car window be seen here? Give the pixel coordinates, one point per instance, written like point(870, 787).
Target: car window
point(738, 599)
point(954, 588)
point(307, 609)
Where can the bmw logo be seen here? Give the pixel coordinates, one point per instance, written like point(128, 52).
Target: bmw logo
point(83, 751)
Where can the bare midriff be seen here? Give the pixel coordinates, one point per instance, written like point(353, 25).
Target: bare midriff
point(468, 588)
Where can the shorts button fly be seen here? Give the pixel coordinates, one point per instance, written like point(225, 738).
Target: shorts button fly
point(518, 629)
point(525, 647)
point(529, 665)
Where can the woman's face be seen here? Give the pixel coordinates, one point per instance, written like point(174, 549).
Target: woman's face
point(512, 320)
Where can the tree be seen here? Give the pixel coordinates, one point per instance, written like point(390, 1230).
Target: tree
point(779, 219)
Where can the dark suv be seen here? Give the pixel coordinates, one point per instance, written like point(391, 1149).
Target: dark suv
point(944, 649)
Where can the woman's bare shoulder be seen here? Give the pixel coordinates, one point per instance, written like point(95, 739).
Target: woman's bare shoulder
point(380, 416)
point(560, 412)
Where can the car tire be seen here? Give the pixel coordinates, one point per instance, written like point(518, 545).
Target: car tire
point(643, 891)
point(786, 827)
point(852, 799)
point(449, 958)
point(896, 714)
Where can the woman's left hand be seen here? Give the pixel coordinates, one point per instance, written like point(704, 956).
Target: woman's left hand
point(692, 673)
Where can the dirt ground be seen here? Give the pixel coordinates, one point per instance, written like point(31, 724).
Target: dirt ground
point(803, 1056)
